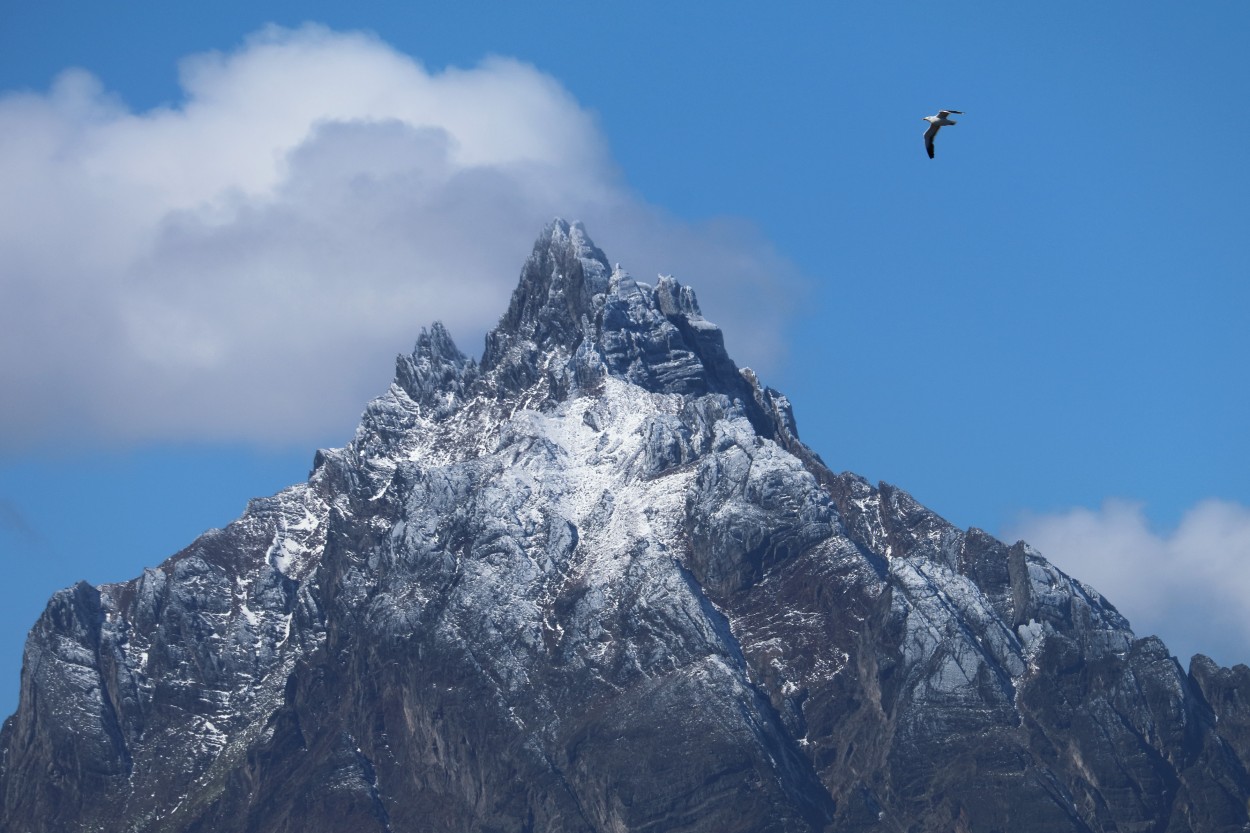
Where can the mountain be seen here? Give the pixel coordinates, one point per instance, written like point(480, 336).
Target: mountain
point(595, 582)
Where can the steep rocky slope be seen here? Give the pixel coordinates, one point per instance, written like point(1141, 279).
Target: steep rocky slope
point(595, 582)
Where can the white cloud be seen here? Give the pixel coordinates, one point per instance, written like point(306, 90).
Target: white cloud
point(1189, 585)
point(244, 265)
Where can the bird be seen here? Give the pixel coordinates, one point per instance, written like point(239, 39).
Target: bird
point(936, 123)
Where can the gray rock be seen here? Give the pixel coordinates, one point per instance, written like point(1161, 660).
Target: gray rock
point(596, 583)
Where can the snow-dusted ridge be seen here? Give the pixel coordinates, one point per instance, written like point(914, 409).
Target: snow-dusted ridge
point(594, 581)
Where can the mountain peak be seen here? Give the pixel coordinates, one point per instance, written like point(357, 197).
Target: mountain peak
point(554, 299)
point(602, 320)
point(436, 372)
point(597, 584)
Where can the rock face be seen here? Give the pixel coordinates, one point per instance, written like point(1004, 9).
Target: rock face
point(596, 583)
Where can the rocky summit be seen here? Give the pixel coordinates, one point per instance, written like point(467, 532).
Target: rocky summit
point(595, 582)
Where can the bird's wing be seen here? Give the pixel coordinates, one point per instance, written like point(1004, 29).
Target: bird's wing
point(928, 139)
point(944, 113)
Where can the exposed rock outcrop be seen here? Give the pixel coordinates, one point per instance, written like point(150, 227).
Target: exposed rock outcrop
point(595, 582)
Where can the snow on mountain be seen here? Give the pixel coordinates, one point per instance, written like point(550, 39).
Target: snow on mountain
point(595, 582)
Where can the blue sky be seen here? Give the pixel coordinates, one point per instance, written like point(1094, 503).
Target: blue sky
point(219, 234)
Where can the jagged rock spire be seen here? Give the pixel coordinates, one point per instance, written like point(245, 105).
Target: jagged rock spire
point(576, 590)
point(436, 373)
point(655, 336)
point(554, 300)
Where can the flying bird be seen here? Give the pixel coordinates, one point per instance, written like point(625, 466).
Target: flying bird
point(936, 123)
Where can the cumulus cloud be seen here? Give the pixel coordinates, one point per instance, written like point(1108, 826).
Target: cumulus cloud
point(244, 265)
point(1189, 585)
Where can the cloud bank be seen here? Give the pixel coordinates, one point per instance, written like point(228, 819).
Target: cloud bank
point(243, 265)
point(1189, 585)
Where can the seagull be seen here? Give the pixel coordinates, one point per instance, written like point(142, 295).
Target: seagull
point(936, 123)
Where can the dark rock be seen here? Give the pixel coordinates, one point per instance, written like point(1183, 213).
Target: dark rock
point(596, 583)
